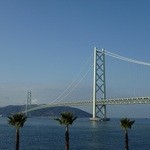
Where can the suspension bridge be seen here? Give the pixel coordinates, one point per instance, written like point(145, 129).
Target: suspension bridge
point(99, 100)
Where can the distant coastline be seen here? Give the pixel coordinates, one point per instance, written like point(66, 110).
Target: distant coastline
point(46, 112)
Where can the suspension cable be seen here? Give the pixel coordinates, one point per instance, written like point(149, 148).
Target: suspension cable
point(73, 82)
point(76, 84)
point(126, 59)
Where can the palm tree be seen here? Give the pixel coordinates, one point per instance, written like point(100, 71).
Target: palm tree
point(125, 124)
point(66, 119)
point(17, 120)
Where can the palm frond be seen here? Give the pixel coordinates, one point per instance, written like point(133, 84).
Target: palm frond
point(57, 119)
point(126, 123)
point(17, 120)
point(66, 118)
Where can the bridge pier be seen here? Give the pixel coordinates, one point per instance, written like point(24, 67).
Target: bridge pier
point(99, 85)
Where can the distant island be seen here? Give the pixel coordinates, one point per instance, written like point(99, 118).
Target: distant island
point(46, 112)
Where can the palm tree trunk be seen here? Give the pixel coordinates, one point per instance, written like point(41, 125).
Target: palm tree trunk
point(17, 139)
point(126, 141)
point(67, 138)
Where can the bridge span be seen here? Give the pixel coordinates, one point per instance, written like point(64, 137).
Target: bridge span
point(119, 101)
point(99, 101)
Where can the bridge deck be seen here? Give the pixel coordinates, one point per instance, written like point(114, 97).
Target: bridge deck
point(120, 101)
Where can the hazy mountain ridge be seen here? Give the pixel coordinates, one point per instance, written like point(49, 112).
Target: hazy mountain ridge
point(46, 112)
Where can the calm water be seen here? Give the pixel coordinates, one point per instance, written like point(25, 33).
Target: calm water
point(47, 134)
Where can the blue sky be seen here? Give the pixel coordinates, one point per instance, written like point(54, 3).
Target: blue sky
point(44, 44)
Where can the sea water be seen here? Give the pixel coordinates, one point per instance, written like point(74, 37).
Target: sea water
point(48, 134)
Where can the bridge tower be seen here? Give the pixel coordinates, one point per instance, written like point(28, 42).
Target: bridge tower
point(99, 85)
point(28, 102)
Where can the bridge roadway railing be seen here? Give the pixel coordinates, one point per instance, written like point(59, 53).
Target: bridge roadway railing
point(119, 101)
point(125, 101)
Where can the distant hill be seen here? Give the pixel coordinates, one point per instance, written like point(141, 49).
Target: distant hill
point(46, 112)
